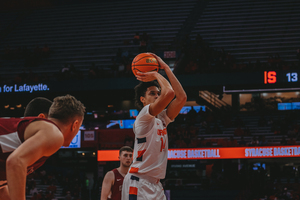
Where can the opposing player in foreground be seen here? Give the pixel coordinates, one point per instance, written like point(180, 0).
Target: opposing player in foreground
point(113, 180)
point(27, 142)
point(158, 109)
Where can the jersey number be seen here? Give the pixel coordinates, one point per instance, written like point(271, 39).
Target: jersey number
point(163, 144)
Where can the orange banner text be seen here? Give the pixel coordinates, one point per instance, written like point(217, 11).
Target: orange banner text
point(217, 153)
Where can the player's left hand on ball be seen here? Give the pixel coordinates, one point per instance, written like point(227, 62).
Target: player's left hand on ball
point(146, 76)
point(162, 64)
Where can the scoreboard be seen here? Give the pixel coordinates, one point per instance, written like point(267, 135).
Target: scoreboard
point(272, 77)
point(265, 81)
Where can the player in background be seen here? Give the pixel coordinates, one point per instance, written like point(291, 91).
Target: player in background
point(39, 107)
point(113, 180)
point(27, 142)
point(158, 108)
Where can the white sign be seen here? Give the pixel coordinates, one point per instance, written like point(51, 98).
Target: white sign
point(89, 135)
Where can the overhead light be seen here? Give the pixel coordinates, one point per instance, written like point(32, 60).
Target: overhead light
point(12, 108)
point(110, 106)
point(19, 106)
point(6, 106)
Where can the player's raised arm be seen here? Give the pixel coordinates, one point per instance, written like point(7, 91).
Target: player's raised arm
point(162, 97)
point(44, 139)
point(176, 105)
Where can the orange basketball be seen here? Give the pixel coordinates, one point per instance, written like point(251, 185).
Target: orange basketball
point(144, 62)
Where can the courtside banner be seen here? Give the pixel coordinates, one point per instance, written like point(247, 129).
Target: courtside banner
point(217, 153)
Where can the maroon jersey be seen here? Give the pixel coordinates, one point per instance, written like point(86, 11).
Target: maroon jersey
point(11, 137)
point(116, 189)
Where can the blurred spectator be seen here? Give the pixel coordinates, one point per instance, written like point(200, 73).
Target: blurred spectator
point(35, 196)
point(291, 141)
point(68, 196)
point(180, 143)
point(238, 131)
point(242, 142)
point(51, 188)
point(216, 129)
point(232, 142)
point(262, 141)
point(247, 131)
point(49, 195)
point(45, 51)
point(262, 122)
point(283, 141)
point(143, 42)
point(129, 141)
point(202, 142)
point(254, 141)
point(136, 39)
point(239, 122)
point(33, 190)
point(191, 116)
point(223, 142)
point(93, 72)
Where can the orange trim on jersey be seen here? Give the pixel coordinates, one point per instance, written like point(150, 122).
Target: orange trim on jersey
point(134, 170)
point(133, 190)
point(141, 153)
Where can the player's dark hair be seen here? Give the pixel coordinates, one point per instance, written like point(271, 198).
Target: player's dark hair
point(66, 108)
point(37, 106)
point(140, 90)
point(125, 148)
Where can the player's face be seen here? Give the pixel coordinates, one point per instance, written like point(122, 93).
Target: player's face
point(151, 95)
point(75, 128)
point(126, 158)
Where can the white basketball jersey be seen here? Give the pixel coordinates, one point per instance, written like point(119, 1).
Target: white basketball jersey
point(151, 144)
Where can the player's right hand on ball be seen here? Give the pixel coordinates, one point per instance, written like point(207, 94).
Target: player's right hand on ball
point(146, 76)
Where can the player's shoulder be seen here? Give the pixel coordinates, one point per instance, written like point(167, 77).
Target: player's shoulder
point(45, 127)
point(41, 125)
point(110, 175)
point(144, 112)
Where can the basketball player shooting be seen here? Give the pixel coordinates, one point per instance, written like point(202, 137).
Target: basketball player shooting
point(27, 142)
point(158, 108)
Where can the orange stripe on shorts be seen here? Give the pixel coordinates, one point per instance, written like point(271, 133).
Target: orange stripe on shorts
point(133, 190)
point(134, 170)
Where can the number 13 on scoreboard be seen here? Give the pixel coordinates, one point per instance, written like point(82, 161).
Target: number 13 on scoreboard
point(292, 77)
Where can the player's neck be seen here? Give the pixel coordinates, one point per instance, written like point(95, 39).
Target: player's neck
point(63, 127)
point(123, 170)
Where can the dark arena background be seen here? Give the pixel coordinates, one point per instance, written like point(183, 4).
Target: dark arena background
point(238, 136)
